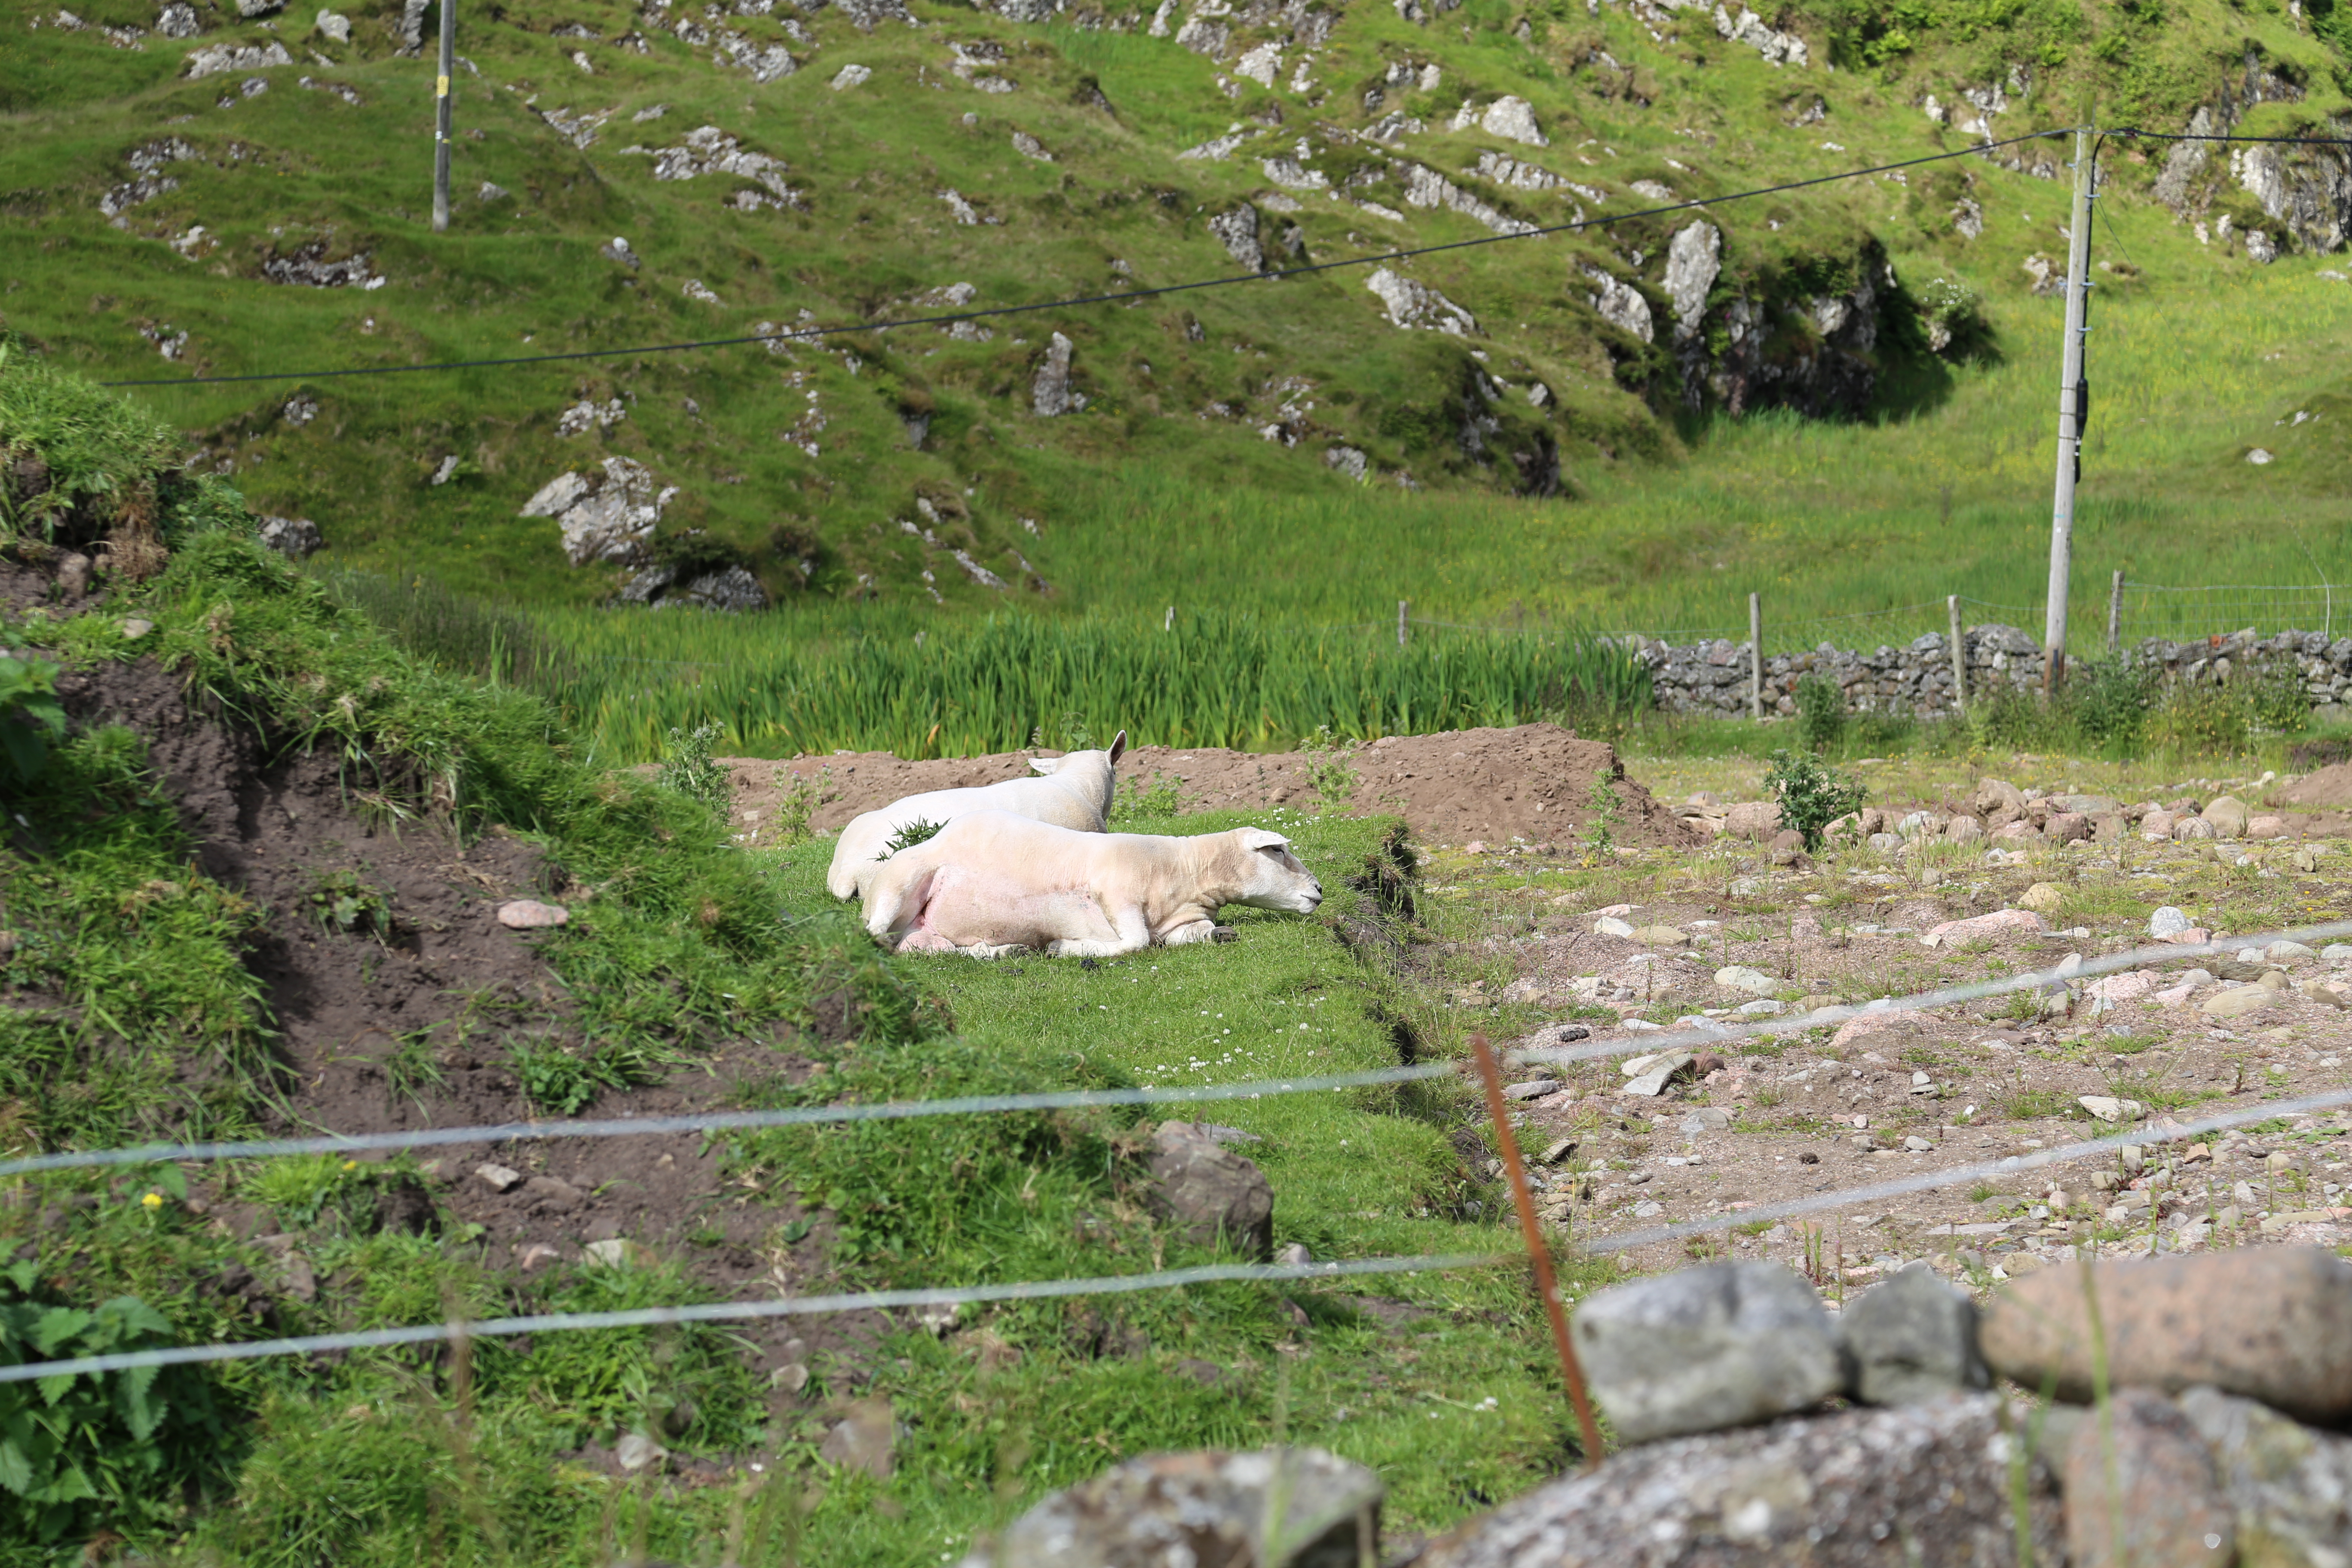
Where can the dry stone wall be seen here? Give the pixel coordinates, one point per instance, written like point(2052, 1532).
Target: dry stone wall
point(1711, 677)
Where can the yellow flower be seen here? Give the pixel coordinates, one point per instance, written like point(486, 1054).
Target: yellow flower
point(351, 1164)
point(153, 1201)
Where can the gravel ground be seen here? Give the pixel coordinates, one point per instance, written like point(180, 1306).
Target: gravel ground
point(1821, 1110)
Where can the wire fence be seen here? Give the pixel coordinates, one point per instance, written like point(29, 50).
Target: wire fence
point(2057, 979)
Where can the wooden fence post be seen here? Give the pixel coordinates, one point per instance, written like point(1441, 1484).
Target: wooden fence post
point(1403, 607)
point(1959, 657)
point(1756, 657)
point(2116, 613)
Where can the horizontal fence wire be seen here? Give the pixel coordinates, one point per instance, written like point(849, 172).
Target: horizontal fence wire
point(2184, 613)
point(746, 1312)
point(725, 1312)
point(1714, 1033)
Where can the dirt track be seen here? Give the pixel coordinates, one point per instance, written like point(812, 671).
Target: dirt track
point(1533, 784)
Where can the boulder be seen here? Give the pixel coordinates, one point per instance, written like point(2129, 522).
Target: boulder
point(2167, 922)
point(1049, 393)
point(292, 537)
point(2067, 827)
point(1964, 829)
point(1657, 1071)
point(2042, 897)
point(1753, 821)
point(2271, 1323)
point(1740, 977)
point(1997, 795)
point(1700, 1348)
point(1911, 1338)
point(1208, 1508)
point(1209, 1191)
point(1926, 1484)
point(2166, 1503)
point(2286, 1482)
point(2189, 828)
point(605, 514)
point(2229, 816)
point(1786, 845)
point(2266, 827)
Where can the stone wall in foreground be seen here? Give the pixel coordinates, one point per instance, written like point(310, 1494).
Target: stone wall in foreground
point(1711, 677)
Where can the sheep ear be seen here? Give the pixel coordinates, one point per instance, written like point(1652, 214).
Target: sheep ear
point(1259, 839)
point(1045, 765)
point(1118, 746)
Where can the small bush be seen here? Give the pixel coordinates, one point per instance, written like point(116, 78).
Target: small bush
point(1821, 711)
point(2108, 700)
point(688, 768)
point(1812, 796)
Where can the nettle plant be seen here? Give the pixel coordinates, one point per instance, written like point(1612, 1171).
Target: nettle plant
point(1811, 794)
point(94, 1451)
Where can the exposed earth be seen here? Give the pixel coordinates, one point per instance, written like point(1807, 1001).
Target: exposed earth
point(1533, 784)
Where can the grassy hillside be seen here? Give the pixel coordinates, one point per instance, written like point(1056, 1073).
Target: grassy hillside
point(926, 444)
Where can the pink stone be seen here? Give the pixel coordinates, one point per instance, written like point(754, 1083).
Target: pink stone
point(1870, 1022)
point(529, 914)
point(2020, 829)
point(2124, 987)
point(2156, 826)
point(2195, 936)
point(1993, 924)
point(2266, 827)
point(2067, 827)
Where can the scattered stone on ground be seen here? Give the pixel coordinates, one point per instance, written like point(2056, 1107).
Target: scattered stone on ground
point(1206, 1508)
point(1213, 1192)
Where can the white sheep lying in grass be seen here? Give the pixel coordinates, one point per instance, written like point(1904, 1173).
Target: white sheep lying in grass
point(1073, 792)
point(989, 884)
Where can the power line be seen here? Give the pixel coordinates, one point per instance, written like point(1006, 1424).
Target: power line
point(800, 333)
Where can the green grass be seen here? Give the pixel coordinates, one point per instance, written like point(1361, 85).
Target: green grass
point(1148, 497)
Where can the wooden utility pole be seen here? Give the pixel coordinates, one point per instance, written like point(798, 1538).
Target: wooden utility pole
point(2071, 392)
point(441, 117)
point(1959, 656)
point(1756, 657)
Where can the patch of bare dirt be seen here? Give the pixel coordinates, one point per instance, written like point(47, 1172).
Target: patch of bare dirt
point(1533, 783)
point(404, 1016)
point(2329, 789)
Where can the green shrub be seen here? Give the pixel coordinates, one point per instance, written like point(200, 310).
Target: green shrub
point(1821, 711)
point(1811, 794)
point(688, 768)
point(30, 714)
point(94, 1451)
point(2108, 702)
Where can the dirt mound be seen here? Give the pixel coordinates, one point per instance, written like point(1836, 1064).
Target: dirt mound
point(2329, 789)
point(1534, 782)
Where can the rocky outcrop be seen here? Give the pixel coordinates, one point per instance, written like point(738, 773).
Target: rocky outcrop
point(732, 589)
point(1416, 305)
point(1237, 231)
point(2305, 192)
point(605, 514)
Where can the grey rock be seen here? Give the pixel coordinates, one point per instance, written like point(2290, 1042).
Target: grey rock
point(2289, 1485)
point(635, 1451)
point(867, 1440)
point(1206, 1508)
point(1621, 304)
point(292, 537)
point(1910, 1339)
point(2167, 1503)
point(1533, 1088)
point(1209, 1191)
point(411, 23)
point(1693, 261)
point(213, 60)
point(605, 514)
point(1049, 394)
point(250, 9)
point(2167, 922)
point(1237, 231)
point(1705, 1348)
point(1515, 120)
point(732, 589)
point(1417, 306)
point(1661, 1072)
point(178, 20)
point(1348, 462)
point(497, 1178)
point(1919, 1484)
point(335, 26)
point(1706, 1119)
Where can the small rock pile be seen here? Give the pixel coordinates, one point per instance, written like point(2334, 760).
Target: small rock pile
point(2225, 1369)
point(1999, 813)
